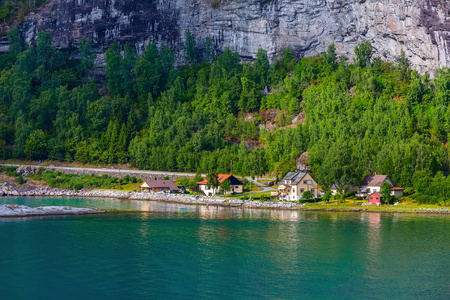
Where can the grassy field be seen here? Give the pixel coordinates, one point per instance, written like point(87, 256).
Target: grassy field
point(256, 196)
point(406, 205)
point(124, 187)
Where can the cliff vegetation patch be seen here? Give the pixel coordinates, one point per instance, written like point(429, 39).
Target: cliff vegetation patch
point(17, 9)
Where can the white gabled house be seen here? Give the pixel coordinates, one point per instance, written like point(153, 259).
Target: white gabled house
point(236, 186)
point(294, 184)
point(372, 184)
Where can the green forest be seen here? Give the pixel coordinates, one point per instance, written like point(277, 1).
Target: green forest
point(17, 9)
point(354, 117)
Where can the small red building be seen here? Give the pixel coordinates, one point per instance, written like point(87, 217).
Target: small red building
point(375, 199)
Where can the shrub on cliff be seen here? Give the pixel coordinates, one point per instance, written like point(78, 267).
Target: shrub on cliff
point(77, 186)
point(20, 179)
point(215, 3)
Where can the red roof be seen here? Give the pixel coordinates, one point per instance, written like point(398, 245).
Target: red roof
point(397, 188)
point(221, 178)
point(375, 194)
point(373, 180)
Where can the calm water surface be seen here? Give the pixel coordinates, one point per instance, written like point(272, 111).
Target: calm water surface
point(200, 252)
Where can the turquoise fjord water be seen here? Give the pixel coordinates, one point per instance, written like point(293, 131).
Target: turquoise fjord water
point(209, 252)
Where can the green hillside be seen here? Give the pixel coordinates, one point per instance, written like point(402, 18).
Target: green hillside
point(353, 118)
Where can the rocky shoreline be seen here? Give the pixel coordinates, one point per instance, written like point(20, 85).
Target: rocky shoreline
point(7, 190)
point(14, 210)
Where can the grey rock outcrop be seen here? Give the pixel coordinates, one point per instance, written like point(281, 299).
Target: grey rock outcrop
point(420, 27)
point(14, 210)
point(26, 170)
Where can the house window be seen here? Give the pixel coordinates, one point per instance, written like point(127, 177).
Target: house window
point(305, 182)
point(312, 190)
point(293, 190)
point(309, 182)
point(301, 190)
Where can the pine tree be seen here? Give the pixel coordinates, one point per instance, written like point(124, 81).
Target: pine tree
point(113, 143)
point(113, 69)
point(190, 47)
point(127, 70)
point(331, 55)
point(86, 57)
point(262, 67)
point(148, 72)
point(363, 54)
point(122, 145)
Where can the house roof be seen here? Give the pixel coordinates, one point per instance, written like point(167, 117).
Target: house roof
point(161, 184)
point(296, 177)
point(373, 180)
point(376, 194)
point(397, 188)
point(222, 177)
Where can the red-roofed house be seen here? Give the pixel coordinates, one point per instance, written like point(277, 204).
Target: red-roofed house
point(236, 186)
point(375, 199)
point(372, 184)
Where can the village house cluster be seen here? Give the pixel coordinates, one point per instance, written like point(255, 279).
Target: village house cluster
point(295, 184)
point(167, 186)
point(293, 187)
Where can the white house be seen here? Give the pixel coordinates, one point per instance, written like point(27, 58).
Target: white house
point(236, 186)
point(372, 184)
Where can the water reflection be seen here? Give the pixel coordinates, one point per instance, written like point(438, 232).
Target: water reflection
point(216, 252)
point(374, 220)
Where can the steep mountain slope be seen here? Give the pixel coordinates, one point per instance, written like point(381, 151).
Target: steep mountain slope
point(420, 27)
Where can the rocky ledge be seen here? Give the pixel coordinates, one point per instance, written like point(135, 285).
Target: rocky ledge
point(14, 210)
point(420, 27)
point(8, 190)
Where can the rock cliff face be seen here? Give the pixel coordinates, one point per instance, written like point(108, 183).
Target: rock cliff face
point(420, 27)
